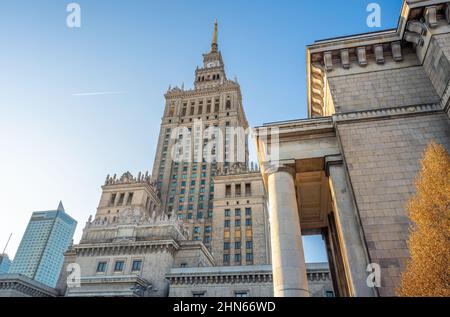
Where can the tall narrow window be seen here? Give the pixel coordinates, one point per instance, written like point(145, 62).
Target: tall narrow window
point(248, 189)
point(238, 190)
point(113, 199)
point(129, 199)
point(228, 190)
point(121, 198)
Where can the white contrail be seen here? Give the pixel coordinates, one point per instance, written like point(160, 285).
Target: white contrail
point(98, 93)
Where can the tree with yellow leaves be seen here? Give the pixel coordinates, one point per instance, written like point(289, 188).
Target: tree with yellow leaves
point(428, 270)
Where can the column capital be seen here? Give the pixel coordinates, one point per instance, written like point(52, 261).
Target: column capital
point(331, 160)
point(279, 166)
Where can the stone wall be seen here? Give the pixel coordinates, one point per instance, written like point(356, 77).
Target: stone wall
point(437, 62)
point(383, 159)
point(382, 89)
point(255, 280)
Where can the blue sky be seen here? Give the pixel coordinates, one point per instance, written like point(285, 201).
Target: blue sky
point(57, 145)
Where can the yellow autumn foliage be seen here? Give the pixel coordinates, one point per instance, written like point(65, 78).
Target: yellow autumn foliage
point(428, 270)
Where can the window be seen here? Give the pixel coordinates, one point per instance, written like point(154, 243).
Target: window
point(113, 199)
point(248, 189)
point(237, 223)
point(207, 239)
point(228, 190)
point(329, 294)
point(226, 258)
point(237, 245)
point(136, 265)
point(238, 190)
point(226, 235)
point(183, 265)
point(118, 267)
point(197, 230)
point(198, 294)
point(101, 267)
point(249, 257)
point(248, 233)
point(227, 212)
point(226, 245)
point(248, 222)
point(227, 224)
point(249, 244)
point(237, 212)
point(241, 294)
point(237, 257)
point(121, 198)
point(208, 229)
point(237, 234)
point(248, 211)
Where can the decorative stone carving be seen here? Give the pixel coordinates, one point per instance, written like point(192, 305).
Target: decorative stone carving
point(328, 61)
point(345, 58)
point(379, 53)
point(431, 16)
point(362, 57)
point(413, 38)
point(416, 27)
point(130, 216)
point(397, 51)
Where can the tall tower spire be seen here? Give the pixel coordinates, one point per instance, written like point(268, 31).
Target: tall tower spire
point(214, 44)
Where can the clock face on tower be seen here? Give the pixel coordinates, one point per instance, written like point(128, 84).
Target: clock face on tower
point(211, 64)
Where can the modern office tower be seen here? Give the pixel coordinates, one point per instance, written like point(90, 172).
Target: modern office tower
point(5, 263)
point(41, 252)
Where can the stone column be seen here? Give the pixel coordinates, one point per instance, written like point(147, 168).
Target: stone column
point(347, 223)
point(288, 260)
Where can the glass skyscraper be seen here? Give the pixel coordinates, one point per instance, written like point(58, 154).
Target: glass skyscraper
point(4, 263)
point(41, 252)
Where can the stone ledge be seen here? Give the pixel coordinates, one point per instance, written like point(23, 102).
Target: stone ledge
point(386, 112)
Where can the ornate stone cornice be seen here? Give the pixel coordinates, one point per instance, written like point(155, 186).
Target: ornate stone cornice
point(127, 247)
point(26, 286)
point(386, 112)
point(235, 278)
point(227, 86)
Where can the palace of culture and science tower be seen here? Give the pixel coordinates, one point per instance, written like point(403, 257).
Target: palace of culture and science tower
point(198, 226)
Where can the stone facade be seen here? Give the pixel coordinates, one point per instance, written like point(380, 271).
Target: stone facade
point(241, 281)
point(240, 223)
point(375, 101)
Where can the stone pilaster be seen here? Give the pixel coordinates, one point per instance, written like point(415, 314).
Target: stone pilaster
point(353, 247)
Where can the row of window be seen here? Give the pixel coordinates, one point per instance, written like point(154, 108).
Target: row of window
point(237, 258)
point(236, 294)
point(208, 77)
point(237, 245)
point(120, 201)
point(208, 108)
point(237, 212)
point(238, 190)
point(237, 223)
point(119, 266)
